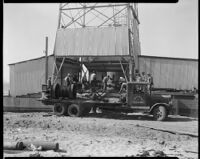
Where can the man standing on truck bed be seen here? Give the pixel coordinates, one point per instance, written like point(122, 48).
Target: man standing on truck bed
point(123, 84)
point(68, 79)
point(143, 77)
point(93, 80)
point(149, 80)
point(84, 81)
point(105, 81)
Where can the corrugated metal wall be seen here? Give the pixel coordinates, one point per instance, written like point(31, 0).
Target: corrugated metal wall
point(170, 73)
point(28, 77)
point(107, 41)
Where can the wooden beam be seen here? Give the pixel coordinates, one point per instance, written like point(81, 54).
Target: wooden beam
point(59, 69)
point(123, 71)
point(134, 15)
point(79, 17)
point(46, 60)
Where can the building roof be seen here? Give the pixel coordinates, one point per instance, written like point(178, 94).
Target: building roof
point(172, 58)
point(30, 60)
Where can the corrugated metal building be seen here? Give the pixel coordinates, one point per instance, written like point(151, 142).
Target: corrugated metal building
point(27, 77)
point(177, 73)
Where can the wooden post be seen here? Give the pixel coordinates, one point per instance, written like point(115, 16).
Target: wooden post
point(123, 71)
point(131, 70)
point(54, 70)
point(129, 44)
point(59, 15)
point(84, 15)
point(46, 61)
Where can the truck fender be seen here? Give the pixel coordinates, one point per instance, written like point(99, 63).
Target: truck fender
point(159, 104)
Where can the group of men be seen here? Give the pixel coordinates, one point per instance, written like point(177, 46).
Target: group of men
point(138, 78)
point(144, 78)
point(93, 81)
point(69, 79)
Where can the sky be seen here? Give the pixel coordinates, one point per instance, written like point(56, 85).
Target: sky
point(167, 30)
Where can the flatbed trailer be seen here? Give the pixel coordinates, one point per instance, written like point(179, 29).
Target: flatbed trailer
point(82, 106)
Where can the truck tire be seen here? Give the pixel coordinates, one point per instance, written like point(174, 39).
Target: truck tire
point(60, 109)
point(160, 113)
point(72, 91)
point(75, 110)
point(56, 91)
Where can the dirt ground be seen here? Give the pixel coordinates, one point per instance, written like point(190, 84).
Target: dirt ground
point(110, 134)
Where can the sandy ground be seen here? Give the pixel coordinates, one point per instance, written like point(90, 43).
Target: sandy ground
point(109, 134)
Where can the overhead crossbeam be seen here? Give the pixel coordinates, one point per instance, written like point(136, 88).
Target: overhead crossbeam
point(72, 19)
point(100, 6)
point(79, 17)
point(112, 16)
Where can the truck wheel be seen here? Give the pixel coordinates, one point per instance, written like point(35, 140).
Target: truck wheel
point(160, 113)
point(75, 110)
point(60, 109)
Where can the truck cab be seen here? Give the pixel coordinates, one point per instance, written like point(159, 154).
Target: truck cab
point(140, 98)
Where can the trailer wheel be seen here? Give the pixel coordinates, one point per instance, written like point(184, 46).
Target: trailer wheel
point(160, 113)
point(75, 110)
point(60, 109)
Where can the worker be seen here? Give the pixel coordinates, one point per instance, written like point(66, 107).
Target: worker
point(45, 94)
point(123, 84)
point(68, 79)
point(105, 81)
point(138, 77)
point(93, 79)
point(75, 78)
point(149, 80)
point(143, 77)
point(84, 81)
point(194, 90)
point(136, 74)
point(121, 80)
point(49, 83)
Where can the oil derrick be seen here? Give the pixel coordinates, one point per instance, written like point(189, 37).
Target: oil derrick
point(92, 32)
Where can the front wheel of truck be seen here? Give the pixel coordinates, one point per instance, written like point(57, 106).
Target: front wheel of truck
point(160, 113)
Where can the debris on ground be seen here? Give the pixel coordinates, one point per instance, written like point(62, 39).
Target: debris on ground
point(113, 134)
point(36, 154)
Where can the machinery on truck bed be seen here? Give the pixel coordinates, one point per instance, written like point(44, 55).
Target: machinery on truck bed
point(137, 98)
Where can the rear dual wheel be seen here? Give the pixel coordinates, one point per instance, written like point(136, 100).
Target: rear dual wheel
point(60, 109)
point(76, 110)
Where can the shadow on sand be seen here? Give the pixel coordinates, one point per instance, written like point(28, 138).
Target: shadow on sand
point(142, 117)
